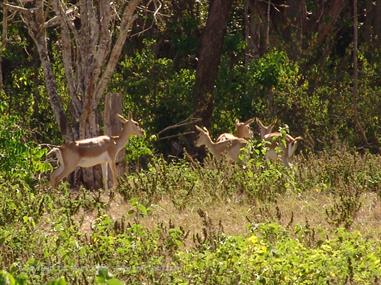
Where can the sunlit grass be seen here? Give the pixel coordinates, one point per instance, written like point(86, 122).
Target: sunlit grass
point(173, 212)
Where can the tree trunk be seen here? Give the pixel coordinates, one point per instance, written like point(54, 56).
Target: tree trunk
point(250, 35)
point(112, 126)
point(51, 86)
point(327, 23)
point(268, 20)
point(355, 76)
point(209, 58)
point(377, 24)
point(4, 39)
point(257, 27)
point(91, 176)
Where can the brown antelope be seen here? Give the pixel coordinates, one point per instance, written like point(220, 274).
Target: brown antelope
point(229, 148)
point(242, 130)
point(286, 151)
point(93, 151)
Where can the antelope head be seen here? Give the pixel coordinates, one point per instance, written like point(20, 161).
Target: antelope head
point(243, 129)
point(203, 137)
point(130, 127)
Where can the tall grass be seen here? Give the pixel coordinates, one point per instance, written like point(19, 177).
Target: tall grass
point(42, 238)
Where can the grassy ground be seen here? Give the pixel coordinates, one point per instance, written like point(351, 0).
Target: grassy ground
point(237, 213)
point(195, 218)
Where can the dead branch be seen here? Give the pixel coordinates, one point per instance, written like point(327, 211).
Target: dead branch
point(188, 121)
point(56, 20)
point(175, 136)
point(20, 9)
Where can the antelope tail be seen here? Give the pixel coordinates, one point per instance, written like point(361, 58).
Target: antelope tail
point(58, 153)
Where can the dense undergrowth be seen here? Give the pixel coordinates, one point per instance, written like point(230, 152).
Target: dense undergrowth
point(41, 239)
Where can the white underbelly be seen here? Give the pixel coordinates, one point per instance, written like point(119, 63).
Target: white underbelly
point(90, 161)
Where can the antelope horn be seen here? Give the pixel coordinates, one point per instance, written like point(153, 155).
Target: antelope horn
point(259, 122)
point(249, 121)
point(274, 122)
point(121, 118)
point(199, 128)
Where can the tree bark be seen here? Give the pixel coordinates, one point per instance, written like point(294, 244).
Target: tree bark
point(327, 22)
point(112, 126)
point(249, 32)
point(51, 87)
point(355, 75)
point(4, 39)
point(90, 52)
point(35, 21)
point(209, 58)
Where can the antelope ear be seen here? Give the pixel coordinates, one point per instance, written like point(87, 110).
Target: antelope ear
point(121, 118)
point(130, 115)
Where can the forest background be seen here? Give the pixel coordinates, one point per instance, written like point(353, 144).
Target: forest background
point(302, 62)
point(313, 65)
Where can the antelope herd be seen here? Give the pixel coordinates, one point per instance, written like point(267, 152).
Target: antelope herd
point(229, 145)
point(103, 150)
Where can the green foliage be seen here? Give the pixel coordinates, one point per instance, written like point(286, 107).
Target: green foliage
point(331, 82)
point(259, 259)
point(270, 86)
point(19, 157)
point(183, 181)
point(104, 277)
point(26, 95)
point(42, 240)
point(138, 147)
point(156, 87)
point(135, 254)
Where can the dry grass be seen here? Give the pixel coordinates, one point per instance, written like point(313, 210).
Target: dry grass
point(234, 214)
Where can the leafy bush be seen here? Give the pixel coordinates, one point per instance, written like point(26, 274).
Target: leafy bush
point(270, 255)
point(156, 87)
point(19, 156)
point(267, 87)
point(41, 239)
point(135, 254)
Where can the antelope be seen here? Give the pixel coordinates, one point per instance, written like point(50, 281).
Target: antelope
point(286, 151)
point(93, 151)
point(229, 148)
point(242, 130)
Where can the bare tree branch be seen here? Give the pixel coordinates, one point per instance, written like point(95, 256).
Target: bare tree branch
point(186, 122)
point(64, 18)
point(19, 9)
point(128, 19)
point(55, 21)
point(34, 19)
